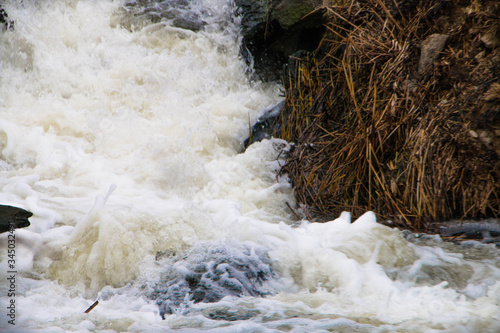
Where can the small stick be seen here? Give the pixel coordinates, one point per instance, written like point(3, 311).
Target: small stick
point(293, 211)
point(92, 306)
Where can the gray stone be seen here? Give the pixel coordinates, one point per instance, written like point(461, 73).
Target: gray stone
point(430, 49)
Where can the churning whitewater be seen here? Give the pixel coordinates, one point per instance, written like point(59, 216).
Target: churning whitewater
point(121, 128)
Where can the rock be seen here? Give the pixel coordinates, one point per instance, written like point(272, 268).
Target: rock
point(491, 39)
point(12, 218)
point(274, 30)
point(229, 314)
point(4, 21)
point(493, 93)
point(266, 124)
point(430, 49)
point(254, 16)
point(178, 13)
point(211, 272)
point(291, 12)
point(488, 231)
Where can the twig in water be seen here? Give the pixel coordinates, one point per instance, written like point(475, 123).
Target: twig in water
point(92, 306)
point(293, 211)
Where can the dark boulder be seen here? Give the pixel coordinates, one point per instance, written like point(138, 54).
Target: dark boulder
point(12, 218)
point(268, 123)
point(274, 31)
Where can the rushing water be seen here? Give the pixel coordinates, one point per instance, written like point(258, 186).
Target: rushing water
point(124, 136)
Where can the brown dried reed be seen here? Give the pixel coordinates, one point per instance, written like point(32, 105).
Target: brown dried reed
point(371, 133)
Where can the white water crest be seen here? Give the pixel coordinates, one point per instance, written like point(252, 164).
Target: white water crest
point(123, 132)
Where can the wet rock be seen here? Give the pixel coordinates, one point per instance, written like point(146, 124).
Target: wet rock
point(4, 20)
point(211, 272)
point(274, 30)
point(229, 314)
point(13, 217)
point(290, 12)
point(487, 231)
point(266, 125)
point(254, 14)
point(178, 13)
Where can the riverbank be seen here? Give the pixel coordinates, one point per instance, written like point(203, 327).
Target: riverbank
point(397, 110)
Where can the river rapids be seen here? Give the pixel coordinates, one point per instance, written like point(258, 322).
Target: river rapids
point(122, 127)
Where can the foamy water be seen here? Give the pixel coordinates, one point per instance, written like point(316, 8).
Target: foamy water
point(124, 139)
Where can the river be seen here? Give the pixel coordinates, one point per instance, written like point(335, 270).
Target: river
point(125, 139)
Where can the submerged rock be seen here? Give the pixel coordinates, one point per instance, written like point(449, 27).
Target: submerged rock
point(13, 217)
point(4, 20)
point(137, 14)
point(211, 272)
point(229, 314)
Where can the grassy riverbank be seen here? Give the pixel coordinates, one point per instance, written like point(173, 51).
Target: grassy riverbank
point(398, 111)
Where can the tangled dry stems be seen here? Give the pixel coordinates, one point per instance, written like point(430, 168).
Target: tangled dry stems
point(372, 133)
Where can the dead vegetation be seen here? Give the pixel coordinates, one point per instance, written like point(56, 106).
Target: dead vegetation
point(374, 128)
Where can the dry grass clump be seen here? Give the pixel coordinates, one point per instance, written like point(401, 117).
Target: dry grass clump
point(372, 132)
